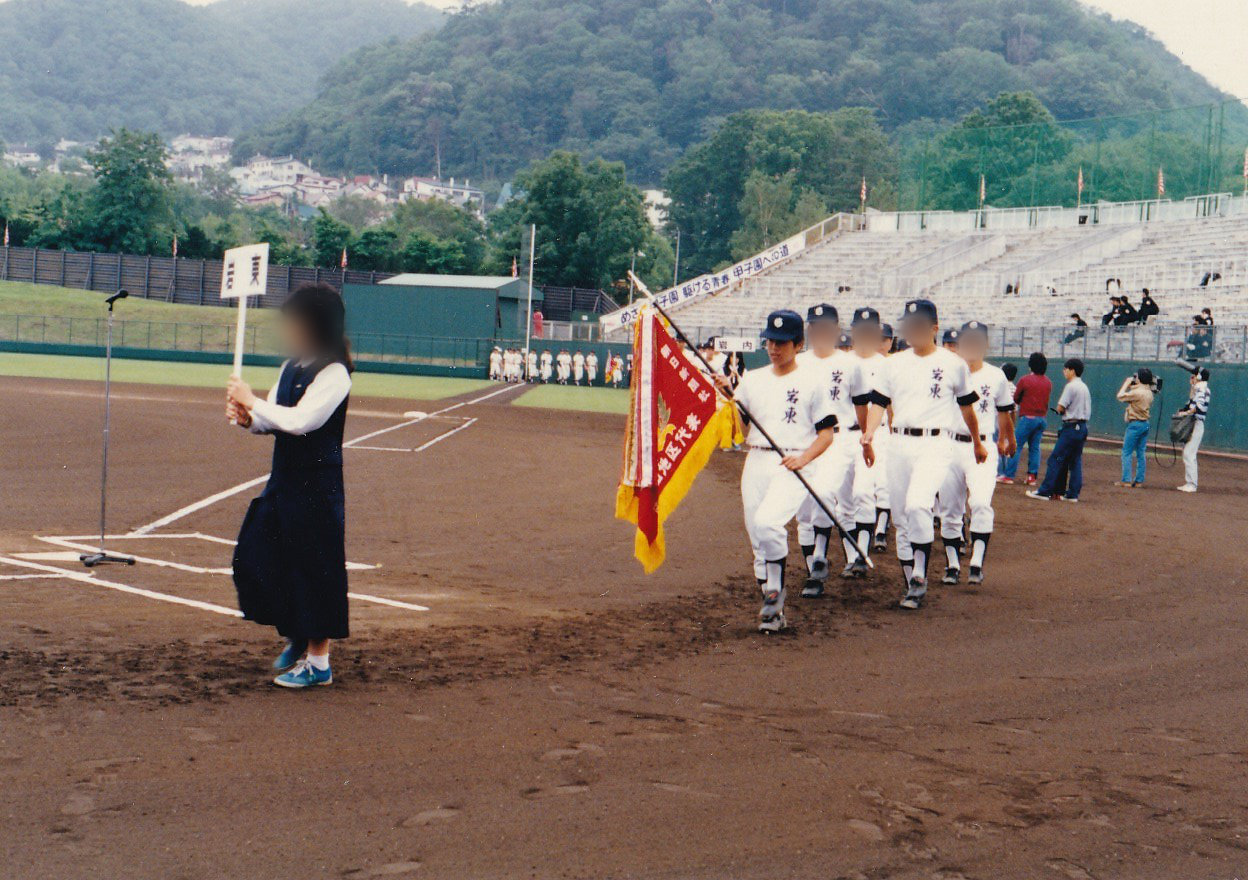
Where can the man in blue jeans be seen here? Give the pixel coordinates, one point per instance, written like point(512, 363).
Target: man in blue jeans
point(1137, 394)
point(1064, 473)
point(1031, 395)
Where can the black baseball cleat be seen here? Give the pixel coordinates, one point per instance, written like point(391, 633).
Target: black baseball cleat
point(917, 591)
point(952, 576)
point(879, 544)
point(976, 576)
point(853, 569)
point(813, 588)
point(771, 616)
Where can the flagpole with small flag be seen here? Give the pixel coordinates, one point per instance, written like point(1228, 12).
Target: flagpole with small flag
point(1079, 189)
point(1161, 182)
point(1245, 172)
point(862, 196)
point(344, 265)
point(5, 273)
point(983, 191)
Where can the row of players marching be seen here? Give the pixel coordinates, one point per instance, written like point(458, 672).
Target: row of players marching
point(519, 365)
point(915, 435)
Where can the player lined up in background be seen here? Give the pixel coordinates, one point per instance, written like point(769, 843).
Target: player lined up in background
point(290, 565)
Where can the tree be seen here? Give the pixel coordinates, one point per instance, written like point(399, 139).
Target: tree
point(772, 209)
point(824, 154)
point(330, 237)
point(132, 190)
point(590, 222)
point(426, 253)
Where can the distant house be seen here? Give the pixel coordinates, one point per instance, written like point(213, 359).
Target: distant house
point(262, 172)
point(657, 204)
point(22, 156)
point(461, 194)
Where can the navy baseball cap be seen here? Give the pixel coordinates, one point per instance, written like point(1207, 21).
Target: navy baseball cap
point(822, 312)
point(975, 327)
point(948, 337)
point(866, 315)
point(920, 308)
point(845, 341)
point(887, 330)
point(784, 326)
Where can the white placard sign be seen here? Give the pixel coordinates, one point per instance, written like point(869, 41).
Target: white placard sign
point(244, 273)
point(745, 344)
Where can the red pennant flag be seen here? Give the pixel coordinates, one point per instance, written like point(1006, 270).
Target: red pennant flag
point(344, 258)
point(175, 246)
point(676, 418)
point(1161, 183)
point(515, 268)
point(6, 233)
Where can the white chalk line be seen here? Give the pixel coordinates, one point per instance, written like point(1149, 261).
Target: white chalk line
point(243, 487)
point(81, 577)
point(423, 446)
point(28, 577)
point(74, 542)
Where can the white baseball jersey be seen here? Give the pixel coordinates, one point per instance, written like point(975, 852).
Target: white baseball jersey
point(841, 379)
point(995, 393)
point(564, 360)
point(789, 407)
point(925, 392)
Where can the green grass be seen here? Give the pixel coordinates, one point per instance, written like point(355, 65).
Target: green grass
point(214, 376)
point(568, 397)
point(46, 313)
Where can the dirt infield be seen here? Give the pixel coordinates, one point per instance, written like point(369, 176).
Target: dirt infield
point(553, 713)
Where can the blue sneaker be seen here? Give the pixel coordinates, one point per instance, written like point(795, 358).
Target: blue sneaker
point(295, 649)
point(304, 675)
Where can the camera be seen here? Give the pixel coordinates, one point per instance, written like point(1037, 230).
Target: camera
point(1145, 376)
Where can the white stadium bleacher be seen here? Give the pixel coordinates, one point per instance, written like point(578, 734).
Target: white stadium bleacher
point(1018, 269)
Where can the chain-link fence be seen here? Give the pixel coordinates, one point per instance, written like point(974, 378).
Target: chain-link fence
point(1177, 153)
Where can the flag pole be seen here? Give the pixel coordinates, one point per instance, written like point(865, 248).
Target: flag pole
point(528, 320)
point(745, 414)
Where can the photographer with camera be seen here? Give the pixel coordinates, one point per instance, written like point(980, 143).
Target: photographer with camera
point(1137, 393)
point(1197, 407)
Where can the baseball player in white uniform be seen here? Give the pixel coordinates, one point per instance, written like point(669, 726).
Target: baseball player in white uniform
point(883, 509)
point(578, 366)
point(496, 364)
point(563, 364)
point(530, 363)
point(929, 390)
point(547, 366)
point(967, 477)
point(591, 367)
point(791, 404)
point(840, 481)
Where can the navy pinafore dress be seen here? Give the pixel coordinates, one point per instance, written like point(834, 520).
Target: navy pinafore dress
point(290, 564)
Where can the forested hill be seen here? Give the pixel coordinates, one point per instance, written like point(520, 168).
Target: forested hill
point(75, 68)
point(640, 80)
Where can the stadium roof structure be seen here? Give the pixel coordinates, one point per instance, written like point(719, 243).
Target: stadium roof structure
point(468, 282)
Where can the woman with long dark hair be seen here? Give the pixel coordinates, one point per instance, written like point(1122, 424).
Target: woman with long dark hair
point(290, 564)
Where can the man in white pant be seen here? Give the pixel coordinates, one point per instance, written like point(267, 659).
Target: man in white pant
point(883, 507)
point(790, 404)
point(969, 480)
point(1198, 406)
point(843, 476)
point(929, 390)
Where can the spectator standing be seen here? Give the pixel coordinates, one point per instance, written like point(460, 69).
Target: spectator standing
point(1137, 394)
point(1197, 406)
point(1064, 472)
point(1032, 395)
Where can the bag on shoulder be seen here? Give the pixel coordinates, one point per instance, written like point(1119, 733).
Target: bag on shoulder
point(1181, 427)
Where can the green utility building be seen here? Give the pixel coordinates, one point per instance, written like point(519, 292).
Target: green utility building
point(437, 307)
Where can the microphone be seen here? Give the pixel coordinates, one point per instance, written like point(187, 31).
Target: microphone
point(121, 294)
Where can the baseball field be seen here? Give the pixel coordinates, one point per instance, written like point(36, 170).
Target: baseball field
point(518, 700)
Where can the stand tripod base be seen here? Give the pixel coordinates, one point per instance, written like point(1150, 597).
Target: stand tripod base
point(91, 560)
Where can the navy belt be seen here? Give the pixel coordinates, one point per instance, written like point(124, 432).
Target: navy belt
point(918, 432)
point(966, 438)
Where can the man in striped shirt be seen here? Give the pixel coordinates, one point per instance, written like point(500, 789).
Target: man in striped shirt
point(1197, 405)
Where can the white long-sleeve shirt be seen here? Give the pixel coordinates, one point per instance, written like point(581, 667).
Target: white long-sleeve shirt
point(329, 389)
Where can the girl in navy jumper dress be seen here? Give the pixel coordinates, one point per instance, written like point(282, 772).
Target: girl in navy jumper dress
point(290, 564)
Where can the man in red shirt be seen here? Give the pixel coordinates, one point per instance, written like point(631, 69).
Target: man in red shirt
point(1032, 395)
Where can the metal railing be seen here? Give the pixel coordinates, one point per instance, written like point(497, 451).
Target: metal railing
point(1143, 342)
point(130, 333)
